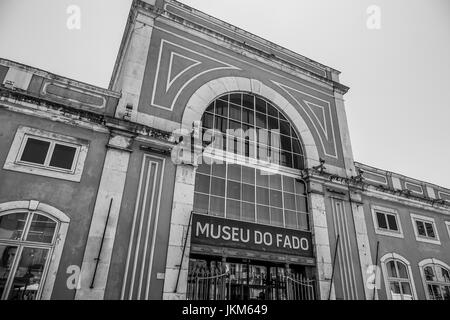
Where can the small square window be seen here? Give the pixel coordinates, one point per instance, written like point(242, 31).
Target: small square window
point(386, 222)
point(425, 229)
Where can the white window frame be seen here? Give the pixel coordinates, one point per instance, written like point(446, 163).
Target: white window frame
point(414, 218)
point(23, 133)
point(387, 232)
point(396, 256)
point(447, 224)
point(54, 257)
point(427, 262)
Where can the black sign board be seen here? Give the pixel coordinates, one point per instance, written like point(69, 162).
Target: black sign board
point(210, 230)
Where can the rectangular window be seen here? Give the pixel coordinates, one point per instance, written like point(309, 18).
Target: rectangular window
point(35, 151)
point(425, 229)
point(386, 221)
point(47, 153)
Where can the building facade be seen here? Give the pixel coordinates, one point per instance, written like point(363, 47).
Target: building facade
point(216, 159)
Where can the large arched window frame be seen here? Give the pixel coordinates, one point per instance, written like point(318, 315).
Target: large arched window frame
point(25, 242)
point(436, 279)
point(401, 278)
point(231, 187)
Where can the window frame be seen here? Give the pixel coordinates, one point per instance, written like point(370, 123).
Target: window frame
point(447, 225)
point(13, 161)
point(417, 217)
point(425, 263)
point(54, 257)
point(396, 257)
point(386, 232)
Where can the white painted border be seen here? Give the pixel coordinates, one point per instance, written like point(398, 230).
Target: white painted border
point(63, 220)
point(427, 219)
point(13, 164)
point(385, 274)
point(391, 233)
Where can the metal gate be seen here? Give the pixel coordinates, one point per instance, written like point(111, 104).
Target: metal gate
point(208, 285)
point(216, 285)
point(300, 288)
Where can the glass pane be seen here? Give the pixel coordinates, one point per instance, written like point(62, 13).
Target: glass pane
point(445, 292)
point(429, 273)
point(205, 166)
point(276, 199)
point(42, 229)
point(289, 201)
point(402, 272)
point(276, 217)
point(421, 228)
point(222, 108)
point(303, 221)
point(445, 275)
point(435, 291)
point(248, 175)
point(406, 289)
point(236, 98)
point(290, 219)
point(272, 111)
point(217, 206)
point(248, 101)
point(296, 148)
point(301, 203)
point(391, 270)
point(262, 195)
point(442, 274)
point(235, 112)
point(392, 222)
point(35, 151)
point(395, 291)
point(208, 121)
point(261, 120)
point(248, 212)
point(285, 128)
point(234, 190)
point(233, 209)
point(28, 277)
point(288, 184)
point(300, 187)
point(218, 187)
point(275, 181)
point(234, 172)
point(248, 193)
point(202, 183)
point(381, 219)
point(12, 225)
point(263, 214)
point(219, 170)
point(201, 202)
point(430, 230)
point(260, 105)
point(7, 254)
point(210, 108)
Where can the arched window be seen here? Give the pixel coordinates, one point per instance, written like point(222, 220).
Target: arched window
point(398, 277)
point(27, 240)
point(252, 134)
point(437, 281)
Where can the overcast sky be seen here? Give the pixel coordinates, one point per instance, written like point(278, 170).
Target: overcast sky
point(398, 106)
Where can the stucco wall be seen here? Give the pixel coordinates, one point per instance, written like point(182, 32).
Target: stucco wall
point(76, 200)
